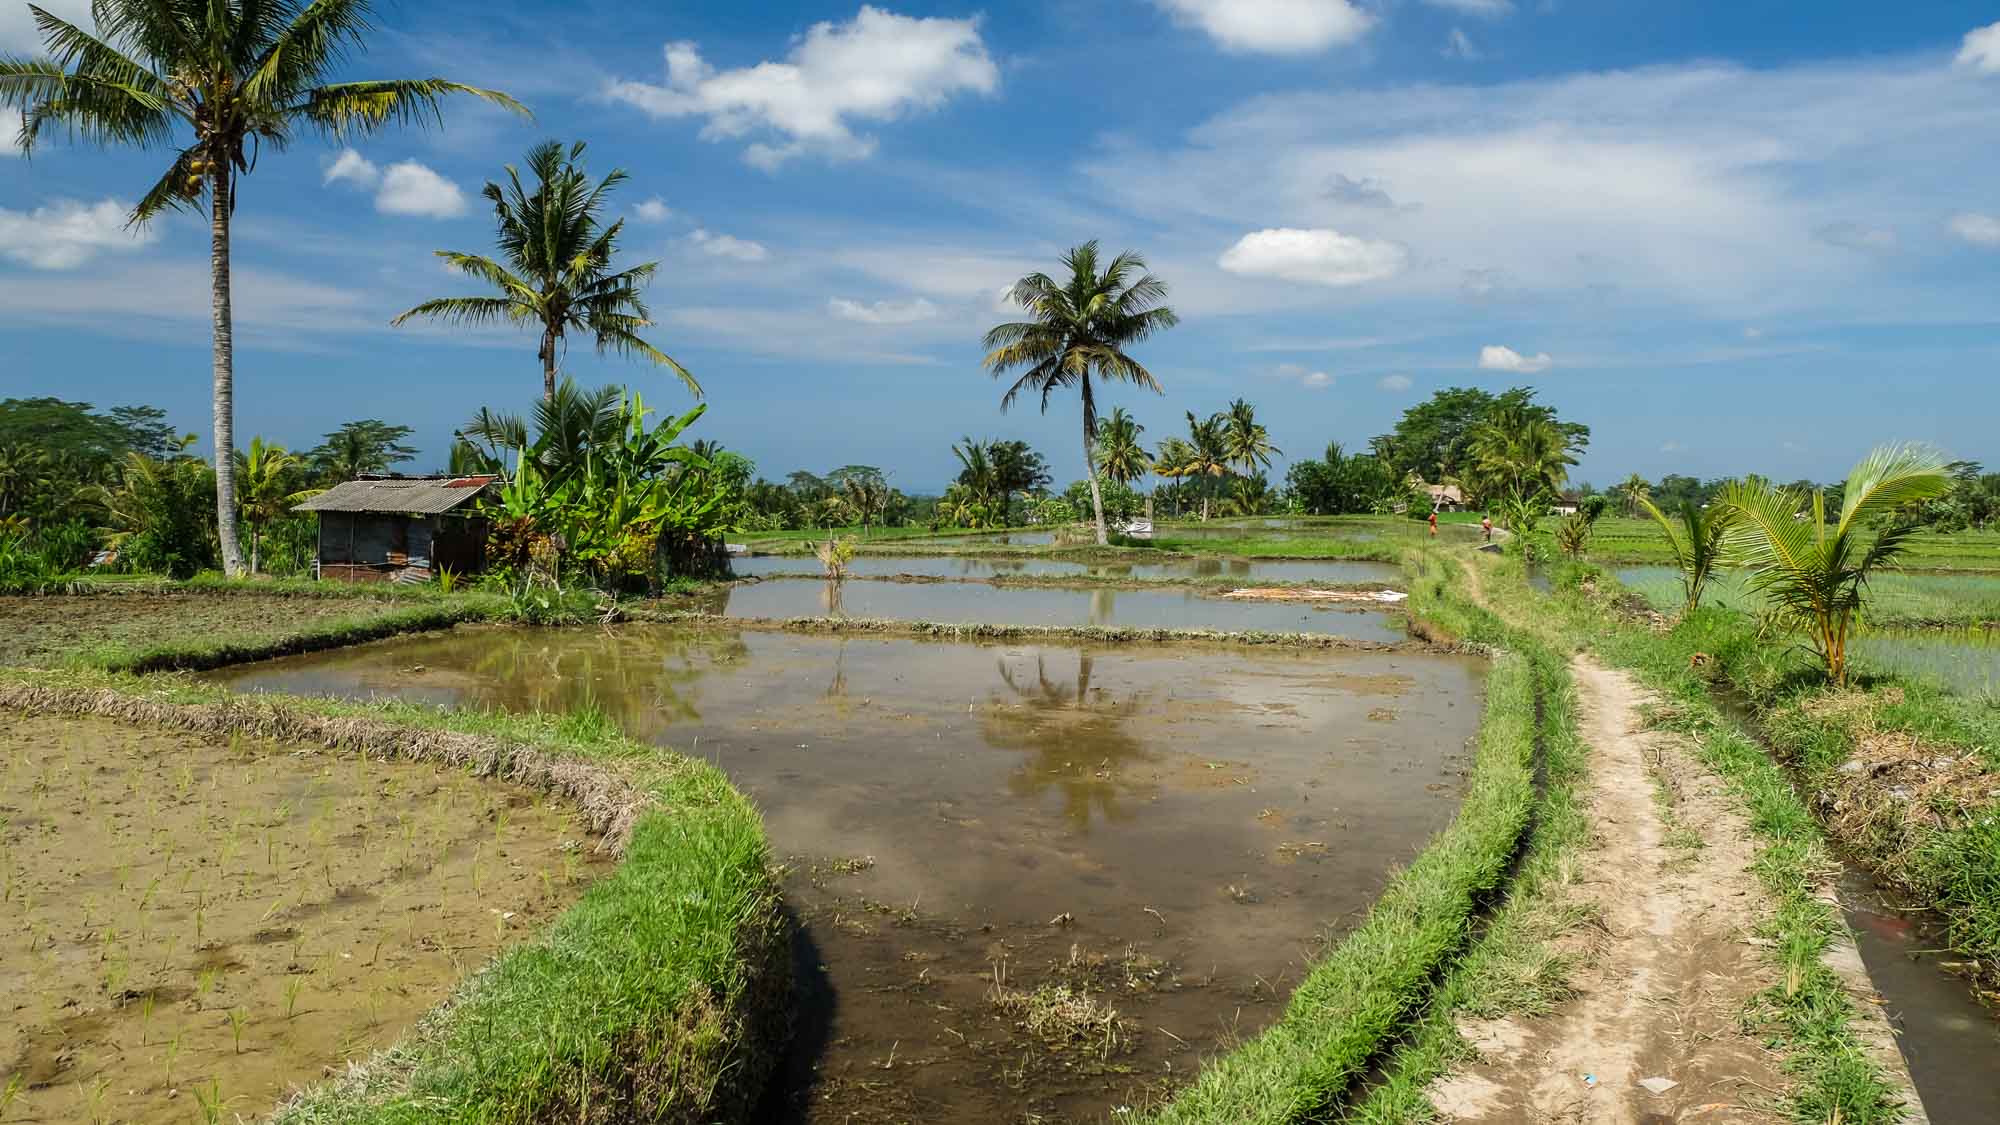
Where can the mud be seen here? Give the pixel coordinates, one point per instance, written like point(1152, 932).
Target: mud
point(46, 631)
point(194, 928)
point(992, 845)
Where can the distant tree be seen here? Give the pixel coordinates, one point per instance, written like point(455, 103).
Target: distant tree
point(269, 478)
point(1203, 458)
point(1017, 467)
point(1517, 450)
point(1634, 489)
point(555, 271)
point(360, 448)
point(1433, 438)
point(1078, 330)
point(1120, 455)
point(1245, 438)
point(245, 78)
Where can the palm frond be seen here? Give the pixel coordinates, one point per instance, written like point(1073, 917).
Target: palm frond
point(463, 310)
point(348, 109)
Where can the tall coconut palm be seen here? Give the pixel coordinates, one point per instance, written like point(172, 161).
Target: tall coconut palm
point(1079, 329)
point(1248, 443)
point(243, 77)
point(1816, 572)
point(1636, 492)
point(1517, 453)
point(557, 274)
point(1696, 535)
point(1119, 454)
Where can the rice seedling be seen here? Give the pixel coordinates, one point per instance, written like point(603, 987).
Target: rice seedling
point(237, 1021)
point(293, 986)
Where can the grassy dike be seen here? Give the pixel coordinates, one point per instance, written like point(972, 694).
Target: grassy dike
point(1378, 983)
point(1809, 1019)
point(660, 996)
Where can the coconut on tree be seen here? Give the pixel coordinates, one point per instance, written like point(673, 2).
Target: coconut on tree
point(1077, 331)
point(218, 83)
point(555, 273)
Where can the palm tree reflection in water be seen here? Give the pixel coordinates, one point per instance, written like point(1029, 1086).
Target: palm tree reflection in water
point(1076, 739)
point(644, 681)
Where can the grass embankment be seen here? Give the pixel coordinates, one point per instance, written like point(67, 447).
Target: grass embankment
point(1209, 583)
point(1809, 1019)
point(1378, 983)
point(660, 996)
point(1092, 634)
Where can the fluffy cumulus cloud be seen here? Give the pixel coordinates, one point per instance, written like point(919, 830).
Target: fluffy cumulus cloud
point(1277, 27)
point(403, 188)
point(654, 210)
point(1396, 383)
point(1306, 377)
point(1981, 50)
point(877, 67)
point(66, 234)
point(1980, 230)
point(882, 312)
point(1497, 357)
point(1318, 256)
point(727, 246)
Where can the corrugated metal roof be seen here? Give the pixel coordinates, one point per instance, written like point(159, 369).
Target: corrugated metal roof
point(417, 495)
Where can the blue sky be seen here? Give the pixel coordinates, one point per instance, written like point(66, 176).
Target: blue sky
point(1730, 237)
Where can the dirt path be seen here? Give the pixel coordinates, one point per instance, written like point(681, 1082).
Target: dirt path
point(1662, 984)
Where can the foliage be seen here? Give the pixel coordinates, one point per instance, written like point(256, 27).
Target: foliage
point(362, 448)
point(834, 555)
point(1338, 484)
point(1202, 458)
point(267, 486)
point(1814, 573)
point(1973, 501)
point(554, 272)
point(1696, 540)
point(1052, 511)
point(1434, 439)
point(1121, 502)
point(1573, 534)
point(1120, 455)
point(1079, 329)
point(161, 514)
point(1522, 513)
point(1517, 450)
point(1245, 439)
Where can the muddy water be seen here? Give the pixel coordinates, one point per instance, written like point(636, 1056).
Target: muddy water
point(976, 603)
point(192, 922)
point(1164, 832)
point(1248, 570)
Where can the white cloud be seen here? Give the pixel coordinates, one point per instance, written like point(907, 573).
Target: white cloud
point(406, 188)
point(1978, 229)
point(1670, 447)
point(1856, 236)
point(10, 128)
point(1489, 9)
point(654, 210)
point(882, 312)
point(1981, 50)
point(352, 168)
point(409, 188)
point(1278, 27)
point(17, 25)
point(1309, 379)
point(1753, 333)
point(728, 246)
point(879, 67)
point(1320, 256)
point(66, 234)
point(1394, 382)
point(1496, 357)
point(1459, 45)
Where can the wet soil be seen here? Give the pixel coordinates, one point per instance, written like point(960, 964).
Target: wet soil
point(46, 631)
point(992, 846)
point(975, 603)
point(193, 923)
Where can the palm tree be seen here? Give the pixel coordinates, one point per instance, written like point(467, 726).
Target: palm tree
point(1080, 328)
point(1696, 535)
point(1245, 438)
point(1119, 453)
point(557, 274)
point(1636, 491)
point(266, 474)
point(244, 76)
point(568, 424)
point(1204, 454)
point(1815, 572)
point(1517, 453)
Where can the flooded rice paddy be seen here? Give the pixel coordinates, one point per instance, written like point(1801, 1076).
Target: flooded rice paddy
point(976, 603)
point(980, 567)
point(194, 928)
point(1038, 882)
point(1965, 661)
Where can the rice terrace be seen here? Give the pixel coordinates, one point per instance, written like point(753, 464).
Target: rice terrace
point(537, 652)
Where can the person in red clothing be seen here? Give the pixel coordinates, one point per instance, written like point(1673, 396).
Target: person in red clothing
point(1486, 525)
point(1434, 523)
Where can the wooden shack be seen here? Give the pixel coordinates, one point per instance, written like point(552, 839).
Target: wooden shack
point(399, 529)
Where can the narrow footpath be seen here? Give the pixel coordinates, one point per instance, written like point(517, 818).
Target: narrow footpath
point(1654, 1031)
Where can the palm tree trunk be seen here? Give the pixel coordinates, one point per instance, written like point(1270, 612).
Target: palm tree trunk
point(225, 371)
point(548, 357)
point(1090, 467)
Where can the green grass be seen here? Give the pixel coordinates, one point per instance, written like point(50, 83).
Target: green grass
point(1374, 982)
point(1894, 597)
point(659, 996)
point(1273, 547)
point(1618, 540)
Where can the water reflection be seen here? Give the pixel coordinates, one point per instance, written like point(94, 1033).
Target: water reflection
point(1078, 742)
point(983, 566)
